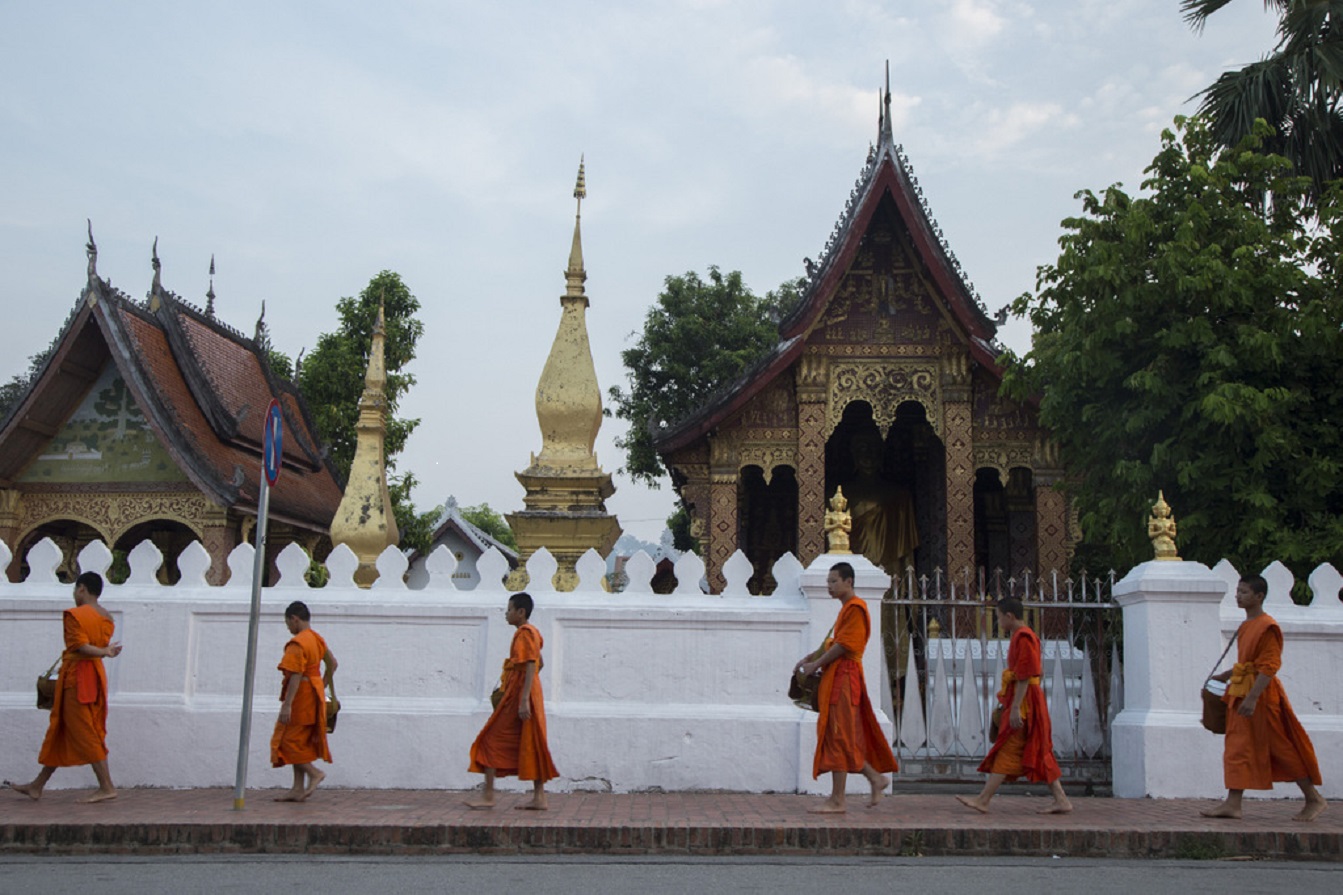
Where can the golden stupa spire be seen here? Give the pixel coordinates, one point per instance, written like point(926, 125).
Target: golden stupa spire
point(566, 489)
point(575, 276)
point(365, 521)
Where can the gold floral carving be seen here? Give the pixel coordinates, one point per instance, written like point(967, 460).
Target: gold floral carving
point(113, 514)
point(810, 481)
point(960, 490)
point(885, 385)
point(1004, 456)
point(767, 456)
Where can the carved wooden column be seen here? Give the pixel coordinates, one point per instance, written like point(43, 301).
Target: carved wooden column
point(11, 516)
point(218, 536)
point(1053, 540)
point(958, 438)
point(723, 474)
point(811, 405)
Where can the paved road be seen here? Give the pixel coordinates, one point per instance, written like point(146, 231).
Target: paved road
point(586, 875)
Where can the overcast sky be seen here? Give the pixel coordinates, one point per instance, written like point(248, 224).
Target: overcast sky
point(310, 145)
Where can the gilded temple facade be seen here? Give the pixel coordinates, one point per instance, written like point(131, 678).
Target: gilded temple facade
point(145, 423)
point(884, 382)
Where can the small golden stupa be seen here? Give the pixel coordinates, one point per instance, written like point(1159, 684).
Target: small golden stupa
point(565, 504)
point(364, 520)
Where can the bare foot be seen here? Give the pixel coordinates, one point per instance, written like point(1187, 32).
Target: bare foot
point(973, 803)
point(534, 805)
point(314, 780)
point(1314, 808)
point(294, 795)
point(100, 796)
point(1057, 808)
point(480, 803)
point(827, 807)
point(1222, 810)
point(32, 792)
point(878, 790)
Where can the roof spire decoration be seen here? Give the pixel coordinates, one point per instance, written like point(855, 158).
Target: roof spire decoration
point(210, 295)
point(91, 289)
point(260, 332)
point(365, 521)
point(155, 287)
point(566, 489)
point(886, 132)
point(575, 276)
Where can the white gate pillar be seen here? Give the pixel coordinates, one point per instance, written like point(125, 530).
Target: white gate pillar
point(1172, 637)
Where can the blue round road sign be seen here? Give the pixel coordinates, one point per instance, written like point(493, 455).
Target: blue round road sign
point(273, 443)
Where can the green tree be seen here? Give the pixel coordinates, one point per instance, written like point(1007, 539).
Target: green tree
point(332, 380)
point(12, 392)
point(1296, 88)
point(483, 516)
point(698, 337)
point(1188, 340)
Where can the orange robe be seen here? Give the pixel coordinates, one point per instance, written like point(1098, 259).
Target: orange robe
point(1027, 751)
point(847, 734)
point(303, 739)
point(507, 743)
point(1270, 745)
point(77, 732)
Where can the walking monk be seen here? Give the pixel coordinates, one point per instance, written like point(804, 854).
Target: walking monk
point(1264, 741)
point(1024, 746)
point(848, 738)
point(77, 732)
point(300, 732)
point(513, 740)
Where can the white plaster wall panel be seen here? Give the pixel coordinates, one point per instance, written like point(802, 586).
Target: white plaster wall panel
point(701, 661)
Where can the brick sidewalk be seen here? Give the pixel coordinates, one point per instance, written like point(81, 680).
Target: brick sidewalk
point(364, 821)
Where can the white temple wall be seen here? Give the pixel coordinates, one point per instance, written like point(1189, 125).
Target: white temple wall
point(678, 692)
point(1178, 617)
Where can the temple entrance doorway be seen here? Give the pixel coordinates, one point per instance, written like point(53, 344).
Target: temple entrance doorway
point(767, 520)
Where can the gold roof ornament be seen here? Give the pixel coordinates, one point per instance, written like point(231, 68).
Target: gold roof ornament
point(566, 488)
point(838, 524)
point(1161, 529)
point(364, 520)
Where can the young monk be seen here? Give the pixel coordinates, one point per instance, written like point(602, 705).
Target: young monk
point(77, 732)
point(300, 732)
point(848, 738)
point(513, 740)
point(1264, 740)
point(1025, 744)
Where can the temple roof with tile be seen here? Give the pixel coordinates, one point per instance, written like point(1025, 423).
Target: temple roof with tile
point(203, 388)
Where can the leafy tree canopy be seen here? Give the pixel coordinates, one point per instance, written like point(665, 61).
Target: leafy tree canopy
point(483, 516)
point(1188, 340)
point(698, 337)
point(332, 379)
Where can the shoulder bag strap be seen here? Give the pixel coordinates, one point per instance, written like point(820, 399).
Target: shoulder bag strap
point(1223, 655)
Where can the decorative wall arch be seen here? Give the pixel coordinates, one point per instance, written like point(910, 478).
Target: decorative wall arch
point(884, 385)
point(29, 528)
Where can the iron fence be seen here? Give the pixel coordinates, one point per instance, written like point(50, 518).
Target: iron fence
point(945, 657)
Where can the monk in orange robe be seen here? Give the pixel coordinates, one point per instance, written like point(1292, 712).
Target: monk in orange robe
point(1264, 740)
point(513, 740)
point(77, 732)
point(1024, 746)
point(300, 732)
point(848, 738)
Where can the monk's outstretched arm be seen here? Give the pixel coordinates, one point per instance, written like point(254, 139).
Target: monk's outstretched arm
point(1261, 681)
point(1018, 697)
point(525, 700)
point(329, 677)
point(836, 651)
point(290, 691)
point(112, 650)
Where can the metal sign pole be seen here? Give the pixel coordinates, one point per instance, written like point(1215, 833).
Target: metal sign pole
point(272, 455)
point(253, 622)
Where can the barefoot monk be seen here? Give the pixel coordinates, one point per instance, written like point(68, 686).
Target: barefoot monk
point(300, 732)
point(77, 731)
point(848, 738)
